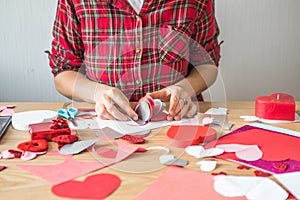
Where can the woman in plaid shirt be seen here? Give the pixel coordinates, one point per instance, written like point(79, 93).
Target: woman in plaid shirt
point(111, 51)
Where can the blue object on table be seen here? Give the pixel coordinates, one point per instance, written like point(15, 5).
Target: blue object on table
point(67, 113)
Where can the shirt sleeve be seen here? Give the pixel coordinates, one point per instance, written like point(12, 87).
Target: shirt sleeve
point(207, 32)
point(67, 48)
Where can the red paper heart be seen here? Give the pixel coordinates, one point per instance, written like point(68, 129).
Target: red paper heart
point(97, 186)
point(277, 106)
point(183, 136)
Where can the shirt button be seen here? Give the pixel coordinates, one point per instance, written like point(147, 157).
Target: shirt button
point(138, 82)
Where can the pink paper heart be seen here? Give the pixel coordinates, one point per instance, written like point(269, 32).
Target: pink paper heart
point(249, 154)
point(244, 152)
point(6, 154)
point(3, 108)
point(107, 152)
point(97, 186)
point(7, 112)
point(28, 155)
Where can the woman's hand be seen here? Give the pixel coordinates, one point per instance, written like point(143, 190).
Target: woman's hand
point(111, 103)
point(181, 104)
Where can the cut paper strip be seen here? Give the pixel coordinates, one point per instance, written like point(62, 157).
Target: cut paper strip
point(290, 181)
point(244, 152)
point(269, 121)
point(77, 147)
point(98, 186)
point(250, 187)
point(276, 129)
point(200, 152)
point(21, 120)
point(165, 149)
point(85, 124)
point(181, 183)
point(70, 168)
point(207, 165)
point(126, 127)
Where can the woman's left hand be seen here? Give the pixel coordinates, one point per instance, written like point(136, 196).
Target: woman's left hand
point(181, 104)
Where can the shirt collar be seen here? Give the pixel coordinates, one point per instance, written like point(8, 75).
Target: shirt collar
point(122, 5)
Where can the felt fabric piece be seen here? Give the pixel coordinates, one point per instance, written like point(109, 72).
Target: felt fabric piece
point(180, 183)
point(70, 168)
point(276, 147)
point(98, 186)
point(133, 139)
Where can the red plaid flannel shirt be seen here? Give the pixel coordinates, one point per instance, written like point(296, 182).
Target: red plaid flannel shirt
point(138, 53)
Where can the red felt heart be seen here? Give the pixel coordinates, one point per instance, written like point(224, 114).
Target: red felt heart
point(97, 186)
point(34, 145)
point(278, 106)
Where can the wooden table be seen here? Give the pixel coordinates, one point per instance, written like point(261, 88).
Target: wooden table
point(18, 184)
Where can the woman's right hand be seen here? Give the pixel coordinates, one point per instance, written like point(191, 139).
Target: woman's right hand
point(112, 104)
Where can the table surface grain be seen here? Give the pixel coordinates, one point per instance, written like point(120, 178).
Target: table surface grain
point(136, 173)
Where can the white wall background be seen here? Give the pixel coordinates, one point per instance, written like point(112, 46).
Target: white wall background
point(260, 54)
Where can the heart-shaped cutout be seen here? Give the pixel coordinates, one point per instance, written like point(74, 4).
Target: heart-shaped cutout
point(97, 186)
point(243, 152)
point(207, 165)
point(107, 152)
point(250, 187)
point(200, 152)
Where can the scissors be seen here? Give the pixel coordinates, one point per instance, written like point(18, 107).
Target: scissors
point(68, 113)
